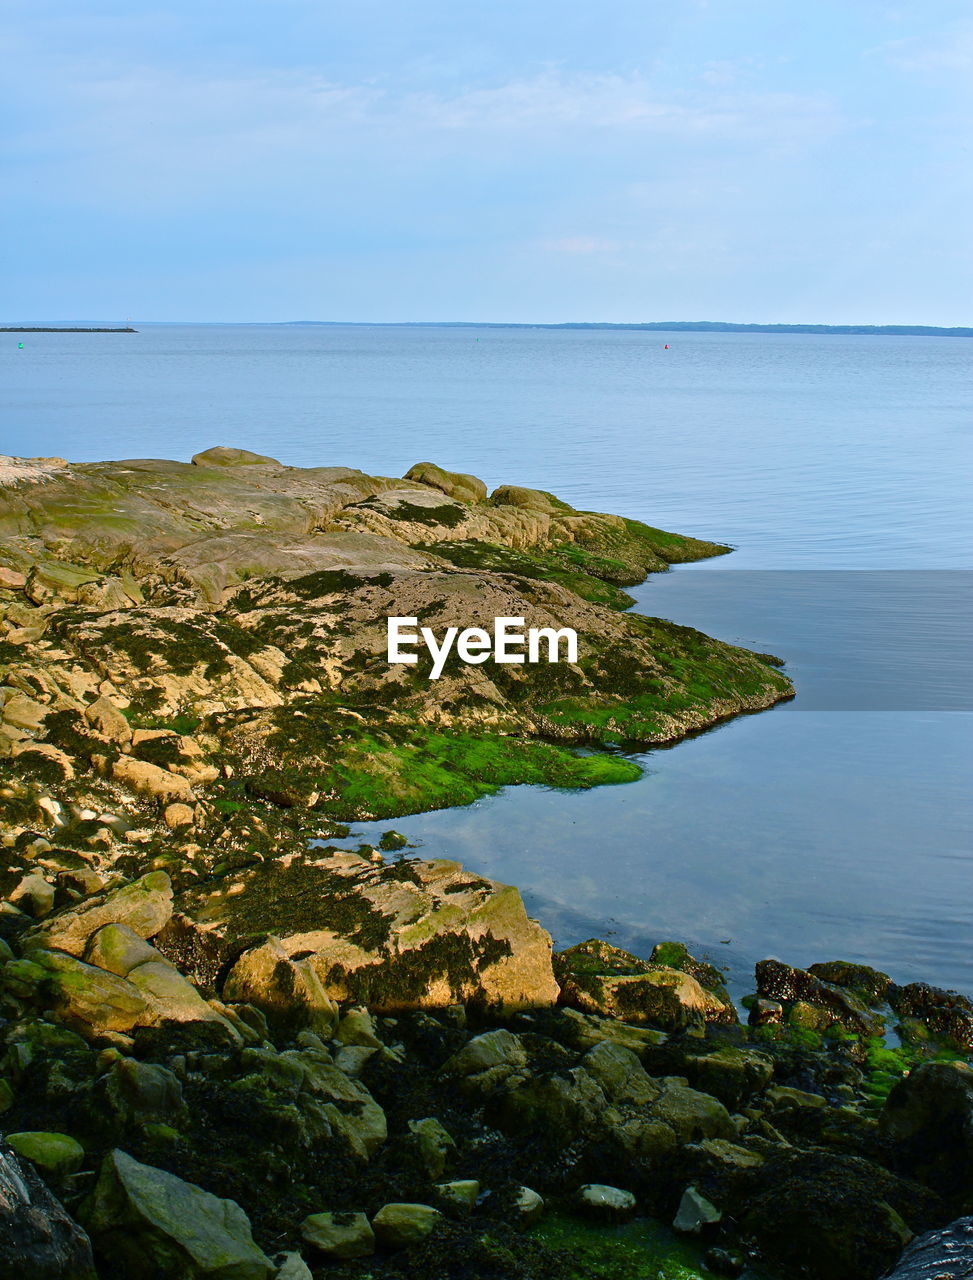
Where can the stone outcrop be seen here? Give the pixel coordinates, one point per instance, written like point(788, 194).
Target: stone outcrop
point(406, 935)
point(37, 1237)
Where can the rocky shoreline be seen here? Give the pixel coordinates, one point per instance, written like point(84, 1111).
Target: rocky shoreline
point(233, 1049)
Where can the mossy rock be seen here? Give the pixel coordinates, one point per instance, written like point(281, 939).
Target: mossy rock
point(226, 456)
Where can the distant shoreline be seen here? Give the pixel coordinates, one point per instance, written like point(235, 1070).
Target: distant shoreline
point(57, 328)
point(663, 326)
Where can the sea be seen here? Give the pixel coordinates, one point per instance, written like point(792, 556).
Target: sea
point(834, 826)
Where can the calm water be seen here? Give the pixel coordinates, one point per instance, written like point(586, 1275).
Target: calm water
point(836, 825)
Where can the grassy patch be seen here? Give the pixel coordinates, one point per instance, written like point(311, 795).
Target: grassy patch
point(636, 1251)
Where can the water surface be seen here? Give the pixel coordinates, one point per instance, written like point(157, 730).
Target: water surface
point(835, 825)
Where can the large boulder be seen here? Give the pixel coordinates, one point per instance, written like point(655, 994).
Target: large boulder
point(147, 1223)
point(928, 1117)
point(37, 1237)
point(945, 1013)
point(222, 455)
point(143, 906)
point(454, 484)
point(406, 935)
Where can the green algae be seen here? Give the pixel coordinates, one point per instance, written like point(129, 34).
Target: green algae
point(576, 573)
point(634, 1251)
point(413, 770)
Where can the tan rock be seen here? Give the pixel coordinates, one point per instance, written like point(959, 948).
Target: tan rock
point(105, 717)
point(178, 815)
point(149, 780)
point(288, 992)
point(144, 906)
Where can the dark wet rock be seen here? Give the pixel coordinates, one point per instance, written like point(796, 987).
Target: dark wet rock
point(946, 1014)
point(928, 1117)
point(765, 1013)
point(37, 1237)
point(817, 1001)
point(945, 1254)
point(731, 1073)
point(870, 985)
point(145, 1222)
point(839, 1217)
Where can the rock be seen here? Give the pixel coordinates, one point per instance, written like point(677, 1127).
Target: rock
point(149, 780)
point(725, 1262)
point(691, 1115)
point(288, 992)
point(398, 1225)
point(830, 1215)
point(946, 1254)
point(172, 998)
point(118, 949)
point(139, 1092)
point(871, 986)
point(11, 579)
point(695, 1213)
point(147, 1223)
point(86, 998)
point(731, 1073)
point(226, 456)
point(454, 484)
point(460, 1196)
point(291, 1266)
point(434, 1145)
point(764, 1013)
point(491, 1049)
point(34, 895)
point(144, 906)
point(528, 1205)
point(605, 1204)
point(777, 981)
point(178, 815)
point(38, 1240)
point(945, 1013)
point(106, 719)
point(357, 1027)
point(512, 495)
point(927, 1116)
point(339, 1235)
point(598, 978)
point(621, 1074)
point(351, 1058)
point(55, 1153)
point(399, 936)
point(21, 712)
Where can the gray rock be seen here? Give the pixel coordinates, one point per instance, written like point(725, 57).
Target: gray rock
point(398, 1225)
point(148, 1223)
point(606, 1204)
point(528, 1205)
point(339, 1235)
point(37, 1238)
point(491, 1049)
point(293, 1267)
point(695, 1213)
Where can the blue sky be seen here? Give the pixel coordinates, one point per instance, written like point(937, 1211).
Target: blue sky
point(527, 160)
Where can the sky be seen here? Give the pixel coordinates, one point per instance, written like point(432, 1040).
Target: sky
point(518, 160)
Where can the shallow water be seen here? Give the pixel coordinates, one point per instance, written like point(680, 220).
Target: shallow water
point(836, 825)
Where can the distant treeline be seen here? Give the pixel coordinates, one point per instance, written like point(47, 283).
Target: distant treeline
point(667, 326)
